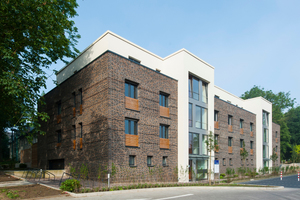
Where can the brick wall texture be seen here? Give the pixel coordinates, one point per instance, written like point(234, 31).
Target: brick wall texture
point(224, 109)
point(276, 142)
point(103, 119)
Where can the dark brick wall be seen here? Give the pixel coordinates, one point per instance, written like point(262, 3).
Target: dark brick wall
point(224, 108)
point(104, 112)
point(276, 127)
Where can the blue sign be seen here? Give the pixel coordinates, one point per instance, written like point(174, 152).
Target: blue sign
point(216, 162)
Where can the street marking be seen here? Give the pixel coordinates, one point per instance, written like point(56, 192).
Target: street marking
point(185, 195)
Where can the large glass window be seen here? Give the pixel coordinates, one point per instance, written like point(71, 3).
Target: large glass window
point(149, 160)
point(241, 143)
point(164, 131)
point(190, 114)
point(266, 135)
point(241, 123)
point(59, 136)
point(131, 90)
point(251, 127)
point(201, 117)
point(193, 87)
point(229, 141)
point(216, 117)
point(265, 151)
point(204, 92)
point(229, 120)
point(131, 127)
point(204, 146)
point(194, 143)
point(265, 118)
point(201, 166)
point(163, 100)
point(131, 160)
point(251, 144)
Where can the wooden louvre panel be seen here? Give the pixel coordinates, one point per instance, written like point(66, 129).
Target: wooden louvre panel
point(241, 150)
point(58, 144)
point(217, 149)
point(216, 125)
point(164, 111)
point(229, 149)
point(131, 140)
point(251, 134)
point(74, 144)
point(251, 151)
point(241, 131)
point(80, 111)
point(58, 119)
point(230, 128)
point(276, 139)
point(74, 111)
point(164, 143)
point(80, 143)
point(131, 103)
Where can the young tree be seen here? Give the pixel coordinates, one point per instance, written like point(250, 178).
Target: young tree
point(244, 153)
point(211, 145)
point(33, 35)
point(274, 156)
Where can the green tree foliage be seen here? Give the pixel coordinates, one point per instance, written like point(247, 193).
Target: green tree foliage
point(33, 35)
point(211, 145)
point(244, 153)
point(293, 122)
point(274, 156)
point(281, 103)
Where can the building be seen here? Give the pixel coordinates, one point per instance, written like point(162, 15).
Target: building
point(115, 83)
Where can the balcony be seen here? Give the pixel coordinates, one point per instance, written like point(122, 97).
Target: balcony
point(241, 131)
point(164, 143)
point(131, 140)
point(164, 111)
point(251, 134)
point(251, 151)
point(58, 118)
point(229, 149)
point(131, 103)
point(230, 128)
point(216, 124)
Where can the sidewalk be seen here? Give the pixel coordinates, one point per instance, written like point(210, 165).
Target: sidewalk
point(14, 183)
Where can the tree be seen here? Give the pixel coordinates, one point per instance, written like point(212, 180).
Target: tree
point(295, 153)
point(244, 153)
point(281, 102)
point(211, 145)
point(292, 118)
point(33, 35)
point(274, 156)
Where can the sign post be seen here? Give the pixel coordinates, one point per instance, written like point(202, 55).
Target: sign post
point(217, 168)
point(298, 176)
point(281, 175)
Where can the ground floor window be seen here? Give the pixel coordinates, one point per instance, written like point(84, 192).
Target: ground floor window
point(198, 169)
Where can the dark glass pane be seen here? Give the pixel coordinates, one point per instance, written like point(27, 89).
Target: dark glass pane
point(131, 91)
point(160, 100)
point(135, 127)
point(167, 133)
point(190, 143)
point(126, 126)
point(126, 90)
point(195, 89)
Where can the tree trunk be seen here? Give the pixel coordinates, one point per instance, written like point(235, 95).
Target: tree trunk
point(209, 172)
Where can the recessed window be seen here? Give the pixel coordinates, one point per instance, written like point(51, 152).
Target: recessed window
point(194, 143)
point(251, 127)
point(266, 135)
point(80, 124)
point(229, 120)
point(276, 134)
point(201, 117)
point(149, 160)
point(59, 136)
point(216, 116)
point(163, 99)
point(276, 149)
point(230, 161)
point(252, 163)
point(131, 89)
point(241, 143)
point(74, 132)
point(224, 161)
point(193, 87)
point(164, 131)
point(251, 144)
point(164, 161)
point(131, 160)
point(265, 118)
point(74, 99)
point(247, 162)
point(131, 127)
point(190, 115)
point(59, 107)
point(241, 123)
point(204, 92)
point(229, 141)
point(80, 95)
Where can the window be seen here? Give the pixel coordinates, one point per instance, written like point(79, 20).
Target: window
point(251, 161)
point(204, 92)
point(193, 88)
point(194, 143)
point(216, 139)
point(163, 100)
point(266, 135)
point(265, 118)
point(164, 131)
point(204, 146)
point(224, 161)
point(229, 141)
point(164, 161)
point(131, 127)
point(241, 143)
point(201, 117)
point(149, 160)
point(80, 95)
point(251, 144)
point(59, 107)
point(216, 116)
point(229, 120)
point(251, 127)
point(74, 99)
point(131, 89)
point(276, 134)
point(190, 114)
point(247, 162)
point(242, 163)
point(230, 161)
point(241, 123)
point(59, 136)
point(131, 160)
point(74, 132)
point(265, 151)
point(276, 149)
point(80, 130)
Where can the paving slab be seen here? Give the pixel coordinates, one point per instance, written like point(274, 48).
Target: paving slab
point(14, 183)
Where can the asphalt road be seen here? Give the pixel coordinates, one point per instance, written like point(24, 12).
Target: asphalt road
point(287, 182)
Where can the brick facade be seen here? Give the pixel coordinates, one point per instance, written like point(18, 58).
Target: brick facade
point(276, 142)
point(103, 118)
point(224, 109)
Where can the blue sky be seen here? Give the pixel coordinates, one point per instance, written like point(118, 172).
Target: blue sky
point(248, 42)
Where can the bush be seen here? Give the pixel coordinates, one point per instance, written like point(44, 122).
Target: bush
point(223, 174)
point(221, 177)
point(235, 175)
point(70, 185)
point(22, 166)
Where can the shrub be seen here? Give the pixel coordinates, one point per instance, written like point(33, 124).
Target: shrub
point(223, 174)
point(235, 175)
point(70, 185)
point(246, 174)
point(221, 177)
point(22, 166)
